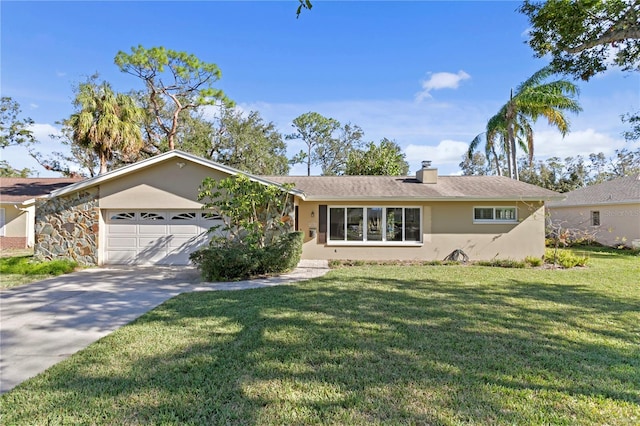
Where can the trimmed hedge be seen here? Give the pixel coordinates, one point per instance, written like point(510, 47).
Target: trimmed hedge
point(237, 261)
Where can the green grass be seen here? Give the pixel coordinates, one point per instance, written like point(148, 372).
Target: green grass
point(18, 270)
point(367, 345)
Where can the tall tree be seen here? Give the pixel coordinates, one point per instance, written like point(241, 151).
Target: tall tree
point(174, 80)
point(332, 156)
point(534, 98)
point(584, 37)
point(13, 129)
point(243, 141)
point(315, 131)
point(328, 142)
point(385, 159)
point(105, 122)
point(476, 165)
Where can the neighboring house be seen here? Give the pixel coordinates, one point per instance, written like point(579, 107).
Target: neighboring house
point(17, 207)
point(610, 211)
point(148, 213)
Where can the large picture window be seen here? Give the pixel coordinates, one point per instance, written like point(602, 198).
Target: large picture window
point(375, 224)
point(495, 214)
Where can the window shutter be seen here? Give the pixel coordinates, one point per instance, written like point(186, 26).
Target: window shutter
point(296, 219)
point(322, 224)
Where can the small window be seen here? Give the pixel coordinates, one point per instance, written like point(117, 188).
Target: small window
point(210, 216)
point(184, 216)
point(495, 214)
point(483, 213)
point(595, 218)
point(123, 216)
point(151, 216)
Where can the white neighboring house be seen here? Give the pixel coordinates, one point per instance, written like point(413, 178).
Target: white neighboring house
point(17, 207)
point(610, 211)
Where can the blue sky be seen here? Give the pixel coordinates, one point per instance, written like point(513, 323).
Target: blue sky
point(425, 74)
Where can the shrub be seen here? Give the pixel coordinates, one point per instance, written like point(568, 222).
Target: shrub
point(564, 258)
point(236, 261)
point(25, 266)
point(281, 256)
point(533, 261)
point(502, 263)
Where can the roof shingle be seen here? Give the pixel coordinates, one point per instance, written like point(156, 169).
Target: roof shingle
point(16, 190)
point(407, 187)
point(617, 191)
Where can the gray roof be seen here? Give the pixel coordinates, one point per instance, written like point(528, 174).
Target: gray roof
point(17, 190)
point(624, 190)
point(334, 188)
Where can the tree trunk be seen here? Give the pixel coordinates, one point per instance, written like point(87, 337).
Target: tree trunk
point(103, 162)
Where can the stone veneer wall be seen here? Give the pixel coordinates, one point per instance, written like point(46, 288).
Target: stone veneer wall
point(67, 227)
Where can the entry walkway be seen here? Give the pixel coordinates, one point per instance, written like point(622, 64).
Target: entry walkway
point(45, 322)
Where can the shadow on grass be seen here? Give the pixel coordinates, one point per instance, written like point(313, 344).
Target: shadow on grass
point(365, 351)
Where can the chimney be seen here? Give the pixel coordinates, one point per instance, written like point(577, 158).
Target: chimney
point(427, 174)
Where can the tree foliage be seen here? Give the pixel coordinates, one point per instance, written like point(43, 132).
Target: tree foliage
point(7, 171)
point(105, 122)
point(13, 129)
point(633, 120)
point(565, 174)
point(385, 159)
point(512, 126)
point(76, 160)
point(328, 142)
point(254, 214)
point(583, 37)
point(303, 4)
point(237, 139)
point(175, 81)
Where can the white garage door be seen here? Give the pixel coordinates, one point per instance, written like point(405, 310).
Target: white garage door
point(155, 237)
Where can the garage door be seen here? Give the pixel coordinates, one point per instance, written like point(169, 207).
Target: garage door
point(158, 237)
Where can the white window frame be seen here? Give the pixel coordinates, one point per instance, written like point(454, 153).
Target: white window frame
point(493, 220)
point(384, 241)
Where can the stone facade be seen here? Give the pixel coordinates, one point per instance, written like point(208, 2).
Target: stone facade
point(67, 227)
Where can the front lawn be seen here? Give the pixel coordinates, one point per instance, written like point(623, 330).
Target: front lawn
point(367, 345)
point(18, 270)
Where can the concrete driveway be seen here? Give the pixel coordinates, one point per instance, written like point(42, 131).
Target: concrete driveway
point(45, 322)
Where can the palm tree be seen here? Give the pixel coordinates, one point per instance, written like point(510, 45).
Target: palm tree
point(106, 122)
point(512, 126)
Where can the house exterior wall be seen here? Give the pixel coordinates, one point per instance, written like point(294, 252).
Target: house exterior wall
point(166, 185)
point(16, 227)
point(619, 224)
point(67, 227)
point(446, 226)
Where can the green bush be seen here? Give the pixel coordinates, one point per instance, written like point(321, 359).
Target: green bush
point(533, 261)
point(564, 258)
point(502, 263)
point(283, 255)
point(24, 265)
point(236, 261)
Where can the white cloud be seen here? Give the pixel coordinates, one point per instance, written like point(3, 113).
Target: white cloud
point(440, 80)
point(549, 143)
point(34, 106)
point(446, 155)
point(43, 131)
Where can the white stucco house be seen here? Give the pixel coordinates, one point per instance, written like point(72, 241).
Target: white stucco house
point(610, 211)
point(149, 213)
